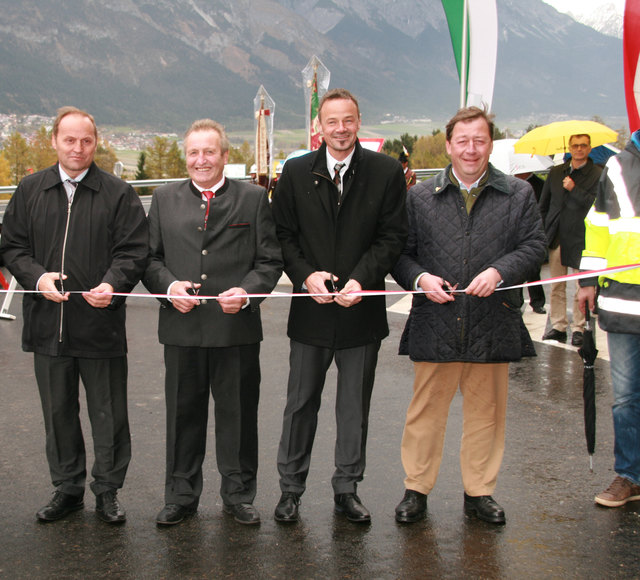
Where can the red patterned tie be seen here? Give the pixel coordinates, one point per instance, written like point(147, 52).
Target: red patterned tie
point(208, 195)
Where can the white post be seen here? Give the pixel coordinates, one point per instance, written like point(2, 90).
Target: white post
point(4, 312)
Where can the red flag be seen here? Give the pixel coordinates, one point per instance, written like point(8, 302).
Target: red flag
point(631, 47)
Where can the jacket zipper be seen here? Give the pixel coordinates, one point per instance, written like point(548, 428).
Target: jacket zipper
point(64, 249)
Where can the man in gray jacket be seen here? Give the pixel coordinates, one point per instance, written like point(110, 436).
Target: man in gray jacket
point(213, 236)
point(472, 229)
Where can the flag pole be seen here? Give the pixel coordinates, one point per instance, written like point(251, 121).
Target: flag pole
point(463, 56)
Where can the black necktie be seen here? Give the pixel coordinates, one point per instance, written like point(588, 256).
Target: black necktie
point(336, 175)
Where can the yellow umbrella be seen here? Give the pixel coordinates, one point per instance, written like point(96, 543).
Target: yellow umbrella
point(554, 137)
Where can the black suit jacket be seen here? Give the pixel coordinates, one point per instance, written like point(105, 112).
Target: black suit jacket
point(360, 239)
point(238, 248)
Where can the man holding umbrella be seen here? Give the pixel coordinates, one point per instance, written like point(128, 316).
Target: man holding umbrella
point(566, 198)
point(613, 239)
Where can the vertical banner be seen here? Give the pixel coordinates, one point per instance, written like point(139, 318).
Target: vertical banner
point(631, 48)
point(473, 26)
point(263, 106)
point(315, 79)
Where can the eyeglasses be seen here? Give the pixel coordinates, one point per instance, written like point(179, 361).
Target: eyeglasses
point(579, 146)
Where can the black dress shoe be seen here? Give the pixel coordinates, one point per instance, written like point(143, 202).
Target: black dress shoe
point(554, 334)
point(577, 338)
point(172, 514)
point(61, 504)
point(539, 310)
point(109, 509)
point(485, 508)
point(412, 508)
point(350, 505)
point(287, 508)
point(243, 513)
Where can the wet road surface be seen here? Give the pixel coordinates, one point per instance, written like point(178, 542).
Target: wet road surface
point(553, 530)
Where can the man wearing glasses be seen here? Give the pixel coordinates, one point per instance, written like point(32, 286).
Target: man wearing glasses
point(566, 198)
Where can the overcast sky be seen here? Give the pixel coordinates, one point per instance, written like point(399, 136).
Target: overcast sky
point(579, 6)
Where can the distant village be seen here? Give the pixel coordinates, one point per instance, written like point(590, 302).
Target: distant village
point(28, 125)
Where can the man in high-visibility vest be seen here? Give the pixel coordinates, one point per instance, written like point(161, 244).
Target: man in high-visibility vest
point(613, 239)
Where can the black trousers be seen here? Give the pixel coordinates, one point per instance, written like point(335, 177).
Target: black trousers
point(232, 376)
point(105, 383)
point(308, 369)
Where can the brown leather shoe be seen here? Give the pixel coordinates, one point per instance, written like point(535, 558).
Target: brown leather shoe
point(618, 493)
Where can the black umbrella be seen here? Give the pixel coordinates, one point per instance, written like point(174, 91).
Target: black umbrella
point(588, 352)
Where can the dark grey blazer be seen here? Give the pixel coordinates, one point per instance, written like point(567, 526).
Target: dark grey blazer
point(238, 248)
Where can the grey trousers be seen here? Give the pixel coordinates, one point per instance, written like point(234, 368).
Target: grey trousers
point(232, 376)
point(308, 368)
point(105, 383)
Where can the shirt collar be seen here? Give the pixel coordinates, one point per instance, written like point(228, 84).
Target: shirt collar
point(462, 185)
point(64, 176)
point(331, 161)
point(215, 188)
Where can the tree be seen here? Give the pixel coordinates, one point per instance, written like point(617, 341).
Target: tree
point(158, 158)
point(141, 173)
point(430, 152)
point(16, 152)
point(176, 166)
point(105, 156)
point(395, 147)
point(243, 154)
point(5, 170)
point(42, 152)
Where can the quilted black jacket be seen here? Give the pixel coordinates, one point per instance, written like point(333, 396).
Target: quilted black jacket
point(503, 230)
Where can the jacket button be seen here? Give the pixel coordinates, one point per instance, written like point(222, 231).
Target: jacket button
point(199, 228)
point(203, 301)
point(465, 261)
point(203, 206)
point(203, 276)
point(204, 252)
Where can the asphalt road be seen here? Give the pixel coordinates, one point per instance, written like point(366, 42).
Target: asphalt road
point(553, 530)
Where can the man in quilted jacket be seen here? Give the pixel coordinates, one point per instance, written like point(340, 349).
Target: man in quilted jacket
point(473, 233)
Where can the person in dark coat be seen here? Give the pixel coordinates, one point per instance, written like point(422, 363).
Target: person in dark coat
point(567, 196)
point(341, 221)
point(215, 236)
point(76, 234)
point(472, 229)
point(537, 298)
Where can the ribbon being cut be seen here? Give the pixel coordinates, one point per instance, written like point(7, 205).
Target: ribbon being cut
point(567, 278)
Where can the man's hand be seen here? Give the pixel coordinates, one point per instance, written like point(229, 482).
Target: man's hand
point(586, 296)
point(315, 285)
point(436, 288)
point(345, 298)
point(181, 288)
point(231, 301)
point(100, 296)
point(484, 284)
point(47, 285)
point(568, 183)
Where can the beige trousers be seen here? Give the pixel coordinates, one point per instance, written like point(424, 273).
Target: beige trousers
point(484, 389)
point(558, 300)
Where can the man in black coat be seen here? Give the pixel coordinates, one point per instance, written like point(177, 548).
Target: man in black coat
point(340, 217)
point(77, 234)
point(472, 229)
point(213, 236)
point(567, 196)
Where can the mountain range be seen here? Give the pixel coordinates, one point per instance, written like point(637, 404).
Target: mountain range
point(163, 63)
